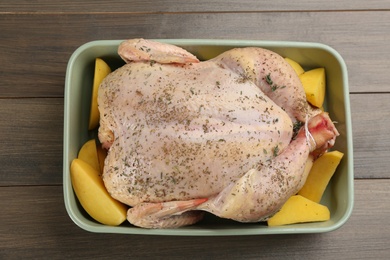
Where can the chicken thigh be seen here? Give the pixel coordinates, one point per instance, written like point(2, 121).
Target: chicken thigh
point(221, 136)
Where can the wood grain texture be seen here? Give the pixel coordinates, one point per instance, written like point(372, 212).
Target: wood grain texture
point(371, 135)
point(138, 6)
point(31, 131)
point(36, 225)
point(36, 59)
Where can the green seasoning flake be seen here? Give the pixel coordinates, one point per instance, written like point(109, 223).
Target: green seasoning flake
point(276, 151)
point(297, 125)
point(268, 79)
point(273, 86)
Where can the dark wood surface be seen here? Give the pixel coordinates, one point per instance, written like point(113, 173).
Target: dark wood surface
point(36, 42)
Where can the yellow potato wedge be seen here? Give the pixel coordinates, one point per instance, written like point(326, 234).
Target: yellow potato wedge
point(296, 66)
point(299, 209)
point(320, 174)
point(101, 71)
point(314, 82)
point(93, 196)
point(88, 153)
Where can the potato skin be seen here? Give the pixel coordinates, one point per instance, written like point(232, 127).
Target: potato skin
point(93, 196)
point(320, 174)
point(101, 71)
point(298, 209)
point(314, 83)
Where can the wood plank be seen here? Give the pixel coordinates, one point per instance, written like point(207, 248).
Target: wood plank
point(191, 6)
point(31, 131)
point(36, 59)
point(35, 225)
point(371, 135)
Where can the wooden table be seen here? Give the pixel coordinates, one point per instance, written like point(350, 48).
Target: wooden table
point(36, 41)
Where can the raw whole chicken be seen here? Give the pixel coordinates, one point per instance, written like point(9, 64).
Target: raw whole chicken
point(233, 135)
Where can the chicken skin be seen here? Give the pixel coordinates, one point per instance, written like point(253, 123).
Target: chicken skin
point(185, 136)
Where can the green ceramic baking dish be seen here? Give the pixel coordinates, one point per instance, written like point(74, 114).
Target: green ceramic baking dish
point(339, 196)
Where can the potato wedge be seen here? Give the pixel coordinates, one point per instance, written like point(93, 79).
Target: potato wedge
point(314, 82)
point(101, 71)
point(320, 174)
point(93, 196)
point(299, 209)
point(296, 66)
point(88, 153)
